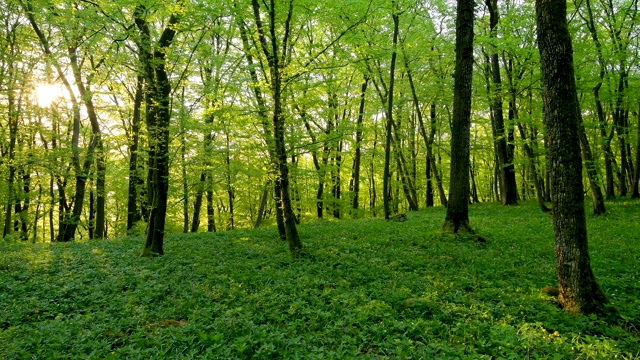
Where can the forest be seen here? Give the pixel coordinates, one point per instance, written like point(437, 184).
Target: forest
point(137, 121)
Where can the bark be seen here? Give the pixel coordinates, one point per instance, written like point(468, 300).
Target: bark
point(532, 165)
point(457, 218)
point(602, 122)
point(133, 213)
point(592, 174)
point(276, 64)
point(266, 126)
point(357, 158)
point(386, 178)
point(230, 189)
point(263, 205)
point(636, 176)
point(509, 194)
point(69, 218)
point(158, 117)
point(579, 291)
point(13, 134)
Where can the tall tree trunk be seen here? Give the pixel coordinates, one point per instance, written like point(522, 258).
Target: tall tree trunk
point(133, 213)
point(636, 175)
point(457, 218)
point(532, 165)
point(13, 135)
point(355, 177)
point(276, 65)
point(579, 291)
point(263, 205)
point(211, 219)
point(262, 113)
point(230, 190)
point(158, 117)
point(606, 140)
point(70, 217)
point(509, 195)
point(386, 179)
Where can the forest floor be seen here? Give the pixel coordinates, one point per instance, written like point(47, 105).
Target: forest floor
point(365, 289)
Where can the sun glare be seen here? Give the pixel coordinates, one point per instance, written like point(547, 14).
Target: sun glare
point(46, 94)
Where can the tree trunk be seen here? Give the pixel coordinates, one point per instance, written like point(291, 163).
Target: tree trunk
point(457, 218)
point(276, 66)
point(263, 205)
point(386, 179)
point(355, 177)
point(509, 194)
point(133, 213)
point(532, 165)
point(636, 175)
point(579, 291)
point(158, 117)
point(262, 113)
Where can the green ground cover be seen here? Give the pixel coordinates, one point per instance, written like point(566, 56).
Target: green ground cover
point(365, 289)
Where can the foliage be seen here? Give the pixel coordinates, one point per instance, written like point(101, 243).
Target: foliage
point(366, 288)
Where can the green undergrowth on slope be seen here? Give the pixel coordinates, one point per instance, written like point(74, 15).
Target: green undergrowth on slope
point(364, 289)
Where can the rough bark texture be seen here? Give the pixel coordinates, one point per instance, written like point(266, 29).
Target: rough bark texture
point(579, 291)
point(457, 219)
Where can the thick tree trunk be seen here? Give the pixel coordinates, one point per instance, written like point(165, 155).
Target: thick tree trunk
point(579, 291)
point(457, 218)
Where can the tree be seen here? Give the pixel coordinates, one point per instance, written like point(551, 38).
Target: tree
point(457, 218)
point(276, 53)
point(158, 117)
point(579, 291)
point(509, 190)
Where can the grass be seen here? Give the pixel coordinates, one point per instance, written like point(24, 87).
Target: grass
point(366, 289)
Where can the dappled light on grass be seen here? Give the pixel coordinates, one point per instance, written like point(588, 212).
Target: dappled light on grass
point(368, 288)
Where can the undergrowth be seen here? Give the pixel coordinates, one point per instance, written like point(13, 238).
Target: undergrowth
point(365, 289)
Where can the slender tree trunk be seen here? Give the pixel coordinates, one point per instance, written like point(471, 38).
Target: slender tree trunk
point(133, 213)
point(606, 140)
point(276, 65)
point(386, 179)
point(579, 291)
point(509, 195)
point(636, 176)
point(262, 112)
point(211, 219)
point(263, 205)
point(13, 135)
point(532, 164)
point(355, 177)
point(230, 190)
